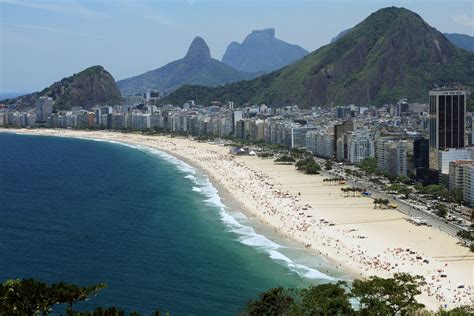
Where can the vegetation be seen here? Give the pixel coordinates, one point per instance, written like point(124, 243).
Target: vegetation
point(381, 202)
point(90, 87)
point(399, 189)
point(32, 297)
point(369, 165)
point(354, 191)
point(28, 296)
point(308, 166)
point(299, 153)
point(464, 234)
point(285, 159)
point(414, 66)
point(441, 210)
point(265, 154)
point(437, 191)
point(276, 301)
point(337, 180)
point(375, 296)
point(328, 165)
point(391, 296)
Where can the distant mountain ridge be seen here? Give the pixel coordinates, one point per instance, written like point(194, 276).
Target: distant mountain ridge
point(262, 52)
point(88, 88)
point(197, 67)
point(461, 40)
point(392, 54)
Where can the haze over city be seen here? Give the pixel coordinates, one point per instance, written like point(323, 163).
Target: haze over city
point(47, 40)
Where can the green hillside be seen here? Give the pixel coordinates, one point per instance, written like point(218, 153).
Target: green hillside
point(90, 87)
point(392, 54)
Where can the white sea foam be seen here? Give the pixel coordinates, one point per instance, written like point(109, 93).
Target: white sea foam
point(247, 234)
point(249, 237)
point(190, 177)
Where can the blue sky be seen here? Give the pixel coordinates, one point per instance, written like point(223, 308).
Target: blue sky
point(44, 41)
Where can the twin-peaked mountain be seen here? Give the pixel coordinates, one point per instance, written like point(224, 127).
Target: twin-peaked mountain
point(262, 52)
point(392, 54)
point(197, 68)
point(88, 88)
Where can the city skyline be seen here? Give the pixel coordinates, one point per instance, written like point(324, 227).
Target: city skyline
point(132, 28)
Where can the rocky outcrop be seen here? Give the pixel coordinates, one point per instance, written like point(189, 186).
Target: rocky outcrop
point(92, 86)
point(261, 52)
point(196, 68)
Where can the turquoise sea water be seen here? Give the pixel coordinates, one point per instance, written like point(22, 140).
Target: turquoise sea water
point(150, 226)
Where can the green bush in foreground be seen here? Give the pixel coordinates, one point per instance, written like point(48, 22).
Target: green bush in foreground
point(375, 296)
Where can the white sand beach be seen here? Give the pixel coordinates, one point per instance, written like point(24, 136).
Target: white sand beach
point(346, 230)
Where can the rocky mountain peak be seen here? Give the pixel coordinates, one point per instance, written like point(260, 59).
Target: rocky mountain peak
point(270, 32)
point(198, 50)
point(261, 52)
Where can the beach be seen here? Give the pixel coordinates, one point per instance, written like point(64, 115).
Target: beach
point(348, 231)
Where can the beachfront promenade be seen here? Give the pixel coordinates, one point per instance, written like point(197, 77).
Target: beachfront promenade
point(348, 231)
point(407, 209)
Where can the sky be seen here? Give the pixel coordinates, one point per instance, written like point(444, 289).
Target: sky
point(44, 41)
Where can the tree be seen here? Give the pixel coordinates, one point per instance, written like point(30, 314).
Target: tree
point(29, 296)
point(368, 165)
point(308, 166)
point(324, 299)
point(285, 159)
point(458, 311)
point(441, 210)
point(276, 301)
point(392, 296)
point(328, 165)
point(399, 188)
point(456, 196)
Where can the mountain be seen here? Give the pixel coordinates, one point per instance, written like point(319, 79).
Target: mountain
point(90, 87)
point(197, 67)
point(461, 40)
point(261, 52)
point(392, 54)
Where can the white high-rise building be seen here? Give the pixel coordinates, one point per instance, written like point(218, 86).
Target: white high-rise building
point(360, 145)
point(456, 173)
point(468, 184)
point(448, 155)
point(320, 143)
point(44, 108)
point(392, 156)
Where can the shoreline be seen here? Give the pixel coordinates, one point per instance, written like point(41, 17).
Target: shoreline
point(359, 239)
point(231, 202)
point(261, 228)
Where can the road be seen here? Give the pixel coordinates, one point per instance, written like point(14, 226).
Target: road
point(404, 207)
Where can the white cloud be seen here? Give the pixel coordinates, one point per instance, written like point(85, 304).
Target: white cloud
point(65, 6)
point(464, 20)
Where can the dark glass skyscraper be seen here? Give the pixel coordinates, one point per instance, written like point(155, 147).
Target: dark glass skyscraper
point(447, 122)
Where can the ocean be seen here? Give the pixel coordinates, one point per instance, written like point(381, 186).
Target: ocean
point(150, 226)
